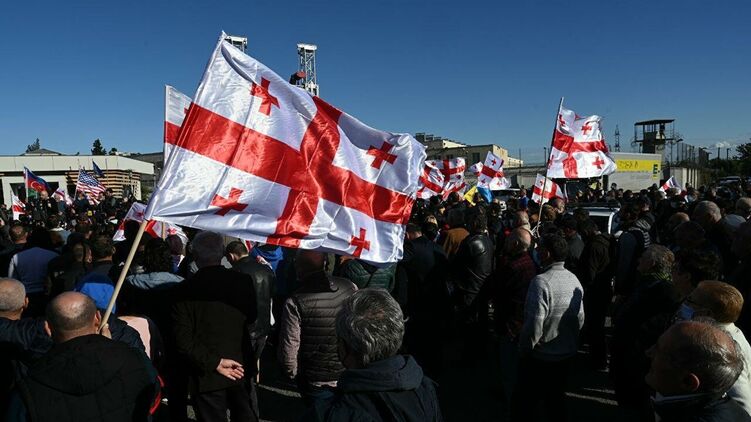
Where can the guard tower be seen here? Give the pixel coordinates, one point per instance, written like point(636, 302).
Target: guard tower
point(305, 77)
point(652, 135)
point(239, 42)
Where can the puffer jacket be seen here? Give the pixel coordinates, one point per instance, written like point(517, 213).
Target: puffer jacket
point(366, 275)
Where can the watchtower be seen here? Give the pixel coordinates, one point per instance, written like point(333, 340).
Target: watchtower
point(305, 77)
point(652, 135)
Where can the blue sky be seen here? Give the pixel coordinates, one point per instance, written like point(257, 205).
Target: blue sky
point(479, 72)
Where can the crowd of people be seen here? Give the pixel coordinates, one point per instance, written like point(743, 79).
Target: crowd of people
point(659, 302)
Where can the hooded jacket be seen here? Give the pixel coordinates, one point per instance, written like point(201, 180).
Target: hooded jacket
point(392, 389)
point(90, 378)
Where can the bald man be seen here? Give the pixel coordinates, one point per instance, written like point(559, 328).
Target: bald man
point(87, 376)
point(693, 365)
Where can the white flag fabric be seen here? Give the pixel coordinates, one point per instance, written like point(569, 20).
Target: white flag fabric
point(18, 207)
point(669, 184)
point(154, 228)
point(62, 195)
point(476, 168)
point(176, 105)
point(458, 186)
point(578, 150)
point(431, 182)
point(491, 173)
point(262, 160)
point(551, 190)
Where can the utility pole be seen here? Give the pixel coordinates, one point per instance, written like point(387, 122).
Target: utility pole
point(545, 154)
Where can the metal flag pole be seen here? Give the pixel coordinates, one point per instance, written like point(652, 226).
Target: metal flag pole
point(547, 167)
point(123, 273)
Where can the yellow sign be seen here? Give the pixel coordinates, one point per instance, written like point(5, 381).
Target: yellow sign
point(643, 166)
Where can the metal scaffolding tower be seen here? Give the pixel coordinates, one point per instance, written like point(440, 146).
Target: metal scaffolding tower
point(617, 139)
point(305, 77)
point(239, 42)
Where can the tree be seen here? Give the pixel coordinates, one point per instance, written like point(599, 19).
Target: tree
point(97, 148)
point(113, 151)
point(744, 157)
point(35, 146)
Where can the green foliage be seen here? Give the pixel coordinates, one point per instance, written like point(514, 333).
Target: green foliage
point(97, 148)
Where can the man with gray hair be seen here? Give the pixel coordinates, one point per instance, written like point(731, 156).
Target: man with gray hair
point(694, 364)
point(378, 383)
point(211, 314)
point(709, 217)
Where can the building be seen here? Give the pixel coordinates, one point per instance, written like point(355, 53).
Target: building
point(439, 148)
point(120, 173)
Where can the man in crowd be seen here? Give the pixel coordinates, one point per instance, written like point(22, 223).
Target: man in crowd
point(708, 215)
point(18, 236)
point(30, 268)
point(307, 337)
point(632, 242)
point(553, 316)
point(378, 383)
point(693, 365)
point(86, 376)
point(211, 314)
point(263, 284)
point(723, 302)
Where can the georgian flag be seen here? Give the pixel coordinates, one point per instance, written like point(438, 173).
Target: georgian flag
point(578, 150)
point(491, 173)
point(431, 182)
point(454, 186)
point(669, 184)
point(18, 207)
point(62, 195)
point(259, 159)
point(156, 229)
point(176, 105)
point(551, 190)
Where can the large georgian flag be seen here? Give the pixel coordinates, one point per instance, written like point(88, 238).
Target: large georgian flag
point(578, 149)
point(176, 106)
point(551, 190)
point(260, 159)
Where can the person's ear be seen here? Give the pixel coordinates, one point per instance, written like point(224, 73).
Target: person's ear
point(47, 328)
point(25, 303)
point(98, 319)
point(691, 382)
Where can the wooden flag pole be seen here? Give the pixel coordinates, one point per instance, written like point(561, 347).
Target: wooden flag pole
point(123, 273)
point(545, 182)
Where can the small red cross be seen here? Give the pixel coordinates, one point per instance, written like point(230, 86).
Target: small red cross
point(598, 162)
point(359, 243)
point(492, 162)
point(586, 128)
point(229, 204)
point(262, 91)
point(561, 122)
point(381, 155)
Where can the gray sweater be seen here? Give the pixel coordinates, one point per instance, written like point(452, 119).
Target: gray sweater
point(553, 315)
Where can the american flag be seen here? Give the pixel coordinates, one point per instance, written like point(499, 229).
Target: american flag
point(90, 186)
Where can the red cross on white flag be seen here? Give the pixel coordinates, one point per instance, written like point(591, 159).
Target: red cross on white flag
point(578, 149)
point(153, 228)
point(552, 190)
point(491, 173)
point(441, 177)
point(18, 207)
point(302, 168)
point(176, 105)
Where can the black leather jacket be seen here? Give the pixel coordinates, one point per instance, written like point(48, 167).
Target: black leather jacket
point(263, 284)
point(473, 264)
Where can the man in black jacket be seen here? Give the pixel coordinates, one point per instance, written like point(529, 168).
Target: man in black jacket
point(211, 315)
point(263, 284)
point(428, 304)
point(85, 376)
point(378, 384)
point(693, 365)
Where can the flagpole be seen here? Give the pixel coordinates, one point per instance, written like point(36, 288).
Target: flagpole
point(123, 273)
point(547, 167)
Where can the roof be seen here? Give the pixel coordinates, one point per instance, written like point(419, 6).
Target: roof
point(42, 151)
point(654, 122)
